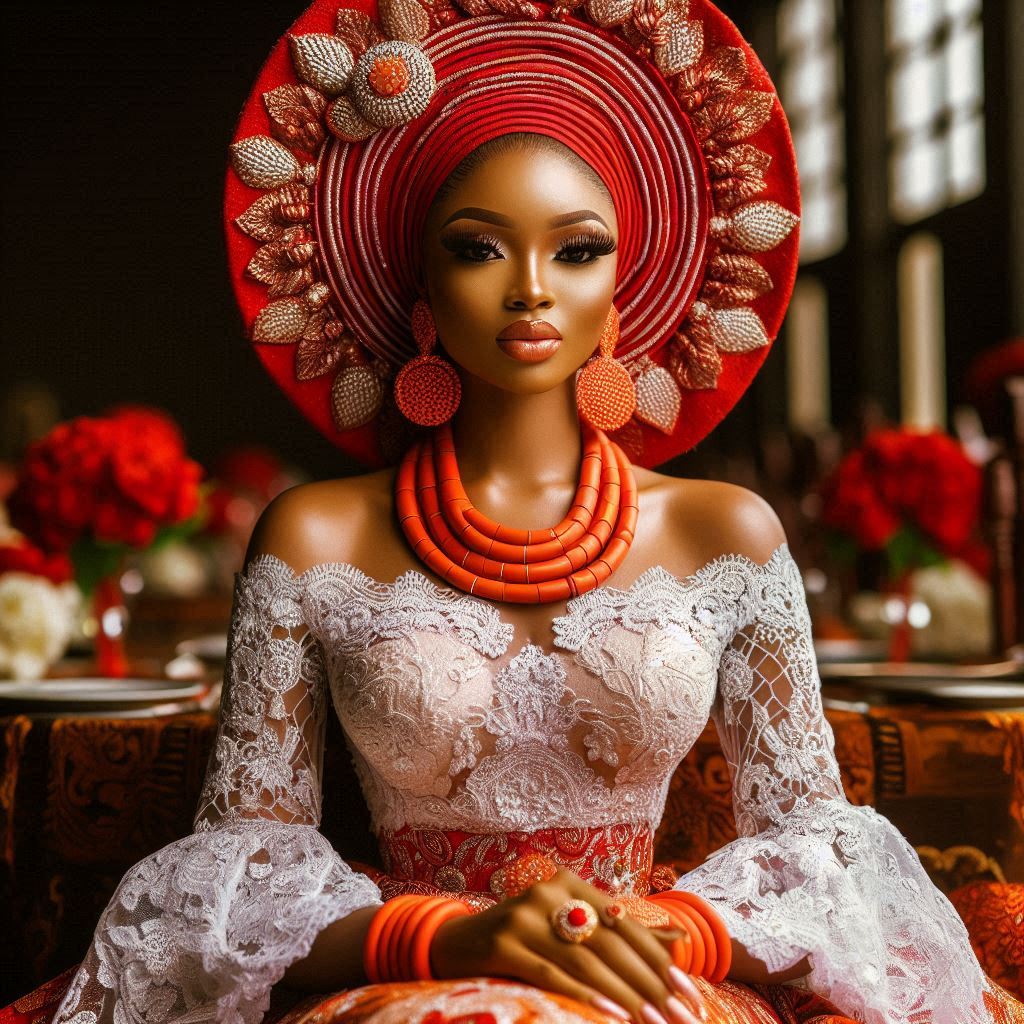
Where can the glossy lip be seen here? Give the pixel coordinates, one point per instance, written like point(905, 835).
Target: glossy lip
point(529, 330)
point(530, 351)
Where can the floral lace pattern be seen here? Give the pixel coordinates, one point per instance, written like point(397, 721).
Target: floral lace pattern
point(202, 929)
point(810, 873)
point(451, 729)
point(449, 734)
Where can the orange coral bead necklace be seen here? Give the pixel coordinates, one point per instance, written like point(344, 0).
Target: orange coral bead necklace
point(502, 563)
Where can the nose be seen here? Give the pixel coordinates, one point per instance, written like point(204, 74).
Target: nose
point(528, 290)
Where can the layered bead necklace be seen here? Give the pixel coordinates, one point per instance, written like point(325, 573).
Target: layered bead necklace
point(501, 563)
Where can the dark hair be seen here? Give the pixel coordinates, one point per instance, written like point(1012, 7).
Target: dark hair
point(513, 141)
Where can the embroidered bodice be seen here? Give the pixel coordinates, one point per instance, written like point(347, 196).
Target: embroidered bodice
point(452, 726)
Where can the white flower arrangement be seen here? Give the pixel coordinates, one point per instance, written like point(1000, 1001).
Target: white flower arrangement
point(37, 619)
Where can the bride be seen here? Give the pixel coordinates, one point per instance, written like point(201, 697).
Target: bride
point(521, 187)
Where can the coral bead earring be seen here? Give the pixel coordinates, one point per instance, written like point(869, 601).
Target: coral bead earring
point(427, 389)
point(605, 395)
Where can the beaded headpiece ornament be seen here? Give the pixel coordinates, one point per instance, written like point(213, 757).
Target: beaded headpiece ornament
point(362, 111)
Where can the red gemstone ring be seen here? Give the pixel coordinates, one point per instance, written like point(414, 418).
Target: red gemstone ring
point(574, 921)
point(613, 912)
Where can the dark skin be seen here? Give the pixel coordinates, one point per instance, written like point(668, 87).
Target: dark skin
point(494, 251)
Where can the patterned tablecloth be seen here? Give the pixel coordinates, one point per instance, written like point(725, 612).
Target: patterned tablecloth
point(82, 799)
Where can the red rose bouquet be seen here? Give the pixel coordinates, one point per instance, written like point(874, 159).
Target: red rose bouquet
point(915, 495)
point(98, 486)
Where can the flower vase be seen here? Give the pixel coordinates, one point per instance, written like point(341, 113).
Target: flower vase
point(897, 609)
point(111, 625)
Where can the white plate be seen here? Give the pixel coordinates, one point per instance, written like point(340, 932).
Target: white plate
point(211, 647)
point(86, 691)
point(899, 673)
point(979, 693)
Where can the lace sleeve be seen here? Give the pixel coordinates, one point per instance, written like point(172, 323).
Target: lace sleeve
point(202, 929)
point(810, 873)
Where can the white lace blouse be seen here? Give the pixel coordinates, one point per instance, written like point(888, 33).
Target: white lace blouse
point(450, 729)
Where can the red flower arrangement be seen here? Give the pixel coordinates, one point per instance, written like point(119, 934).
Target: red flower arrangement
point(95, 486)
point(913, 494)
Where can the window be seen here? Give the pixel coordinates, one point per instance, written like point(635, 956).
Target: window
point(811, 93)
point(935, 105)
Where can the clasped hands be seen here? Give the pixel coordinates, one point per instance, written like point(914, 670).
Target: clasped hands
point(620, 966)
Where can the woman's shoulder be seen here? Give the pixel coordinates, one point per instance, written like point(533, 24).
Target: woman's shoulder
point(323, 521)
point(712, 518)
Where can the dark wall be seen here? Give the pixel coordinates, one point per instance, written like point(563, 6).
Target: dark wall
point(116, 122)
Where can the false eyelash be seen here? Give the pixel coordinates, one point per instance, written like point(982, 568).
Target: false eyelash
point(458, 241)
point(598, 243)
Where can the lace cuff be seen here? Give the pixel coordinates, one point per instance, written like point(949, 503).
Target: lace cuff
point(810, 873)
point(202, 929)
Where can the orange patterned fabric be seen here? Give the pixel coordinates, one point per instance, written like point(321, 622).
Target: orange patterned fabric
point(994, 915)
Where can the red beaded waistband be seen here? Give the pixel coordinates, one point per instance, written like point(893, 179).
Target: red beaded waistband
point(616, 858)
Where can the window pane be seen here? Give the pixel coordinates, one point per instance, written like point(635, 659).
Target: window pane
point(801, 21)
point(911, 21)
point(967, 157)
point(916, 95)
point(823, 220)
point(811, 80)
point(919, 179)
point(954, 8)
point(818, 147)
point(963, 67)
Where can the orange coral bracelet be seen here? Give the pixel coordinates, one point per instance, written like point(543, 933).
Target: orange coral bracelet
point(371, 945)
point(712, 957)
point(397, 944)
point(687, 952)
point(435, 917)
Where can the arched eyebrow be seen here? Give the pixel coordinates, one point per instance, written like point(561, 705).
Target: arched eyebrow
point(491, 217)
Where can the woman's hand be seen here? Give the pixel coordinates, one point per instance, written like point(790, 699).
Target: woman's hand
point(624, 969)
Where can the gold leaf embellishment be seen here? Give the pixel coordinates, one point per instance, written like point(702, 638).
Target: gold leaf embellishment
point(322, 61)
point(693, 359)
point(296, 116)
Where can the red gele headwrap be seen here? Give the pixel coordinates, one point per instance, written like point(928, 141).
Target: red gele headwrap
point(693, 149)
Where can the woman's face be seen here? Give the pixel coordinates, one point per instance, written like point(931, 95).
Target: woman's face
point(525, 237)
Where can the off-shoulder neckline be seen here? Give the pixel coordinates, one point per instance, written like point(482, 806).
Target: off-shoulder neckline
point(687, 582)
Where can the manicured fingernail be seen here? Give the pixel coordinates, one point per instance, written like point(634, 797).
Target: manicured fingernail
point(679, 1013)
point(651, 1015)
point(684, 985)
point(605, 1005)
